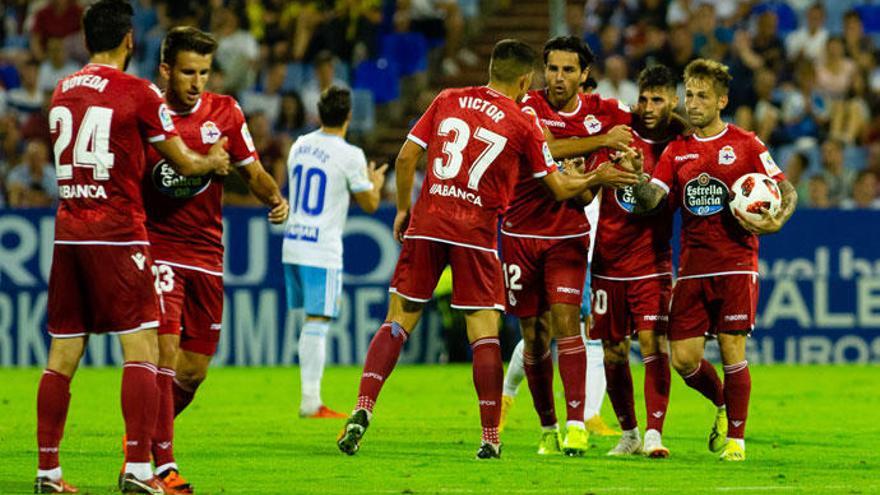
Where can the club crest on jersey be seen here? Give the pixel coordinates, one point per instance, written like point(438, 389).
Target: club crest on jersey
point(626, 198)
point(592, 124)
point(726, 156)
point(705, 195)
point(210, 132)
point(174, 185)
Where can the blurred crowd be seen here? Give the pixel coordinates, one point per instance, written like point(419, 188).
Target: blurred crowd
point(806, 75)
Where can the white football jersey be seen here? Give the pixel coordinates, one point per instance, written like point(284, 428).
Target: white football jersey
point(323, 170)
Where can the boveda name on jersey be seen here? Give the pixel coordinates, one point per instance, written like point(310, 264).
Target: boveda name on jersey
point(705, 195)
point(172, 184)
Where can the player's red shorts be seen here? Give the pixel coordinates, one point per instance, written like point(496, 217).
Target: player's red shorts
point(623, 307)
point(477, 282)
point(541, 272)
point(712, 305)
point(193, 306)
point(101, 289)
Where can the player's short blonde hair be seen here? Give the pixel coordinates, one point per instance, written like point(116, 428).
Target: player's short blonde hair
point(709, 70)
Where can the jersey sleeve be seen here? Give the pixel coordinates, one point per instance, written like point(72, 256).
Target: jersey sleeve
point(155, 118)
point(620, 113)
point(537, 153)
point(241, 148)
point(664, 171)
point(356, 173)
point(764, 163)
point(421, 132)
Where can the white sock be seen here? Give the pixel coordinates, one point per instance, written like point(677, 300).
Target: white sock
point(554, 427)
point(312, 356)
point(740, 441)
point(632, 434)
point(595, 378)
point(576, 424)
point(515, 371)
point(53, 474)
point(140, 470)
point(165, 467)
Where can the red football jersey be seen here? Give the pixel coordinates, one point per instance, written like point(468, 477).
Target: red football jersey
point(627, 245)
point(533, 211)
point(698, 172)
point(100, 120)
point(184, 214)
point(479, 143)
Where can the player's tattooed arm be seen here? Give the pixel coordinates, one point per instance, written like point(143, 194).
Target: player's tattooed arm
point(769, 224)
point(648, 195)
point(404, 171)
point(189, 163)
point(266, 190)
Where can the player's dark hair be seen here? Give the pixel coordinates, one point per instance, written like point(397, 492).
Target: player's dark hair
point(570, 44)
point(186, 39)
point(335, 106)
point(511, 59)
point(590, 84)
point(656, 77)
point(715, 72)
point(105, 25)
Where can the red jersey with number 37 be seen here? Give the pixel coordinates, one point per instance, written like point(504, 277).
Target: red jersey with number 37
point(630, 245)
point(698, 173)
point(184, 214)
point(479, 143)
point(534, 212)
point(100, 120)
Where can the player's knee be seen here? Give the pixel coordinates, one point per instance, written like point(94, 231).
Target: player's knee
point(616, 352)
point(684, 363)
point(648, 343)
point(191, 378)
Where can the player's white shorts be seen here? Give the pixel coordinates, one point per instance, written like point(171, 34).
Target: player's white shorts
point(318, 290)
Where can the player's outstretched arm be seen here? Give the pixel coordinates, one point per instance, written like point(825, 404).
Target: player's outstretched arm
point(618, 138)
point(266, 190)
point(405, 170)
point(369, 200)
point(189, 163)
point(769, 224)
point(572, 184)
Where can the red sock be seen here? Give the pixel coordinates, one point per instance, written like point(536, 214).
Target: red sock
point(181, 397)
point(140, 405)
point(539, 374)
point(573, 369)
point(379, 363)
point(737, 389)
point(163, 435)
point(619, 385)
point(53, 398)
point(488, 380)
point(657, 380)
point(705, 380)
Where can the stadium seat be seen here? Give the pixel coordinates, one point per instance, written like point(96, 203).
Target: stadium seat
point(380, 77)
point(409, 50)
point(363, 112)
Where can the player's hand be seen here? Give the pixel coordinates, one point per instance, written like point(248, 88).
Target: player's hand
point(609, 175)
point(574, 166)
point(401, 222)
point(619, 137)
point(767, 224)
point(377, 175)
point(219, 157)
point(279, 212)
point(629, 159)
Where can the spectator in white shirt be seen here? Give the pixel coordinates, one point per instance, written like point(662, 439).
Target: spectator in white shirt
point(615, 84)
point(809, 41)
point(237, 51)
point(56, 66)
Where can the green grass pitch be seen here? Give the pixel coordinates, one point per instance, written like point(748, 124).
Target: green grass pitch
point(811, 430)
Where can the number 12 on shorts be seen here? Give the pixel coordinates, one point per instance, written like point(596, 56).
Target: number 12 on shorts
point(512, 274)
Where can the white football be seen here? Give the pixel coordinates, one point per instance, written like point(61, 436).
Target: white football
point(752, 192)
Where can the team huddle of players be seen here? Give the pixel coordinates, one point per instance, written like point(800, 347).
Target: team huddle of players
point(138, 241)
point(494, 151)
